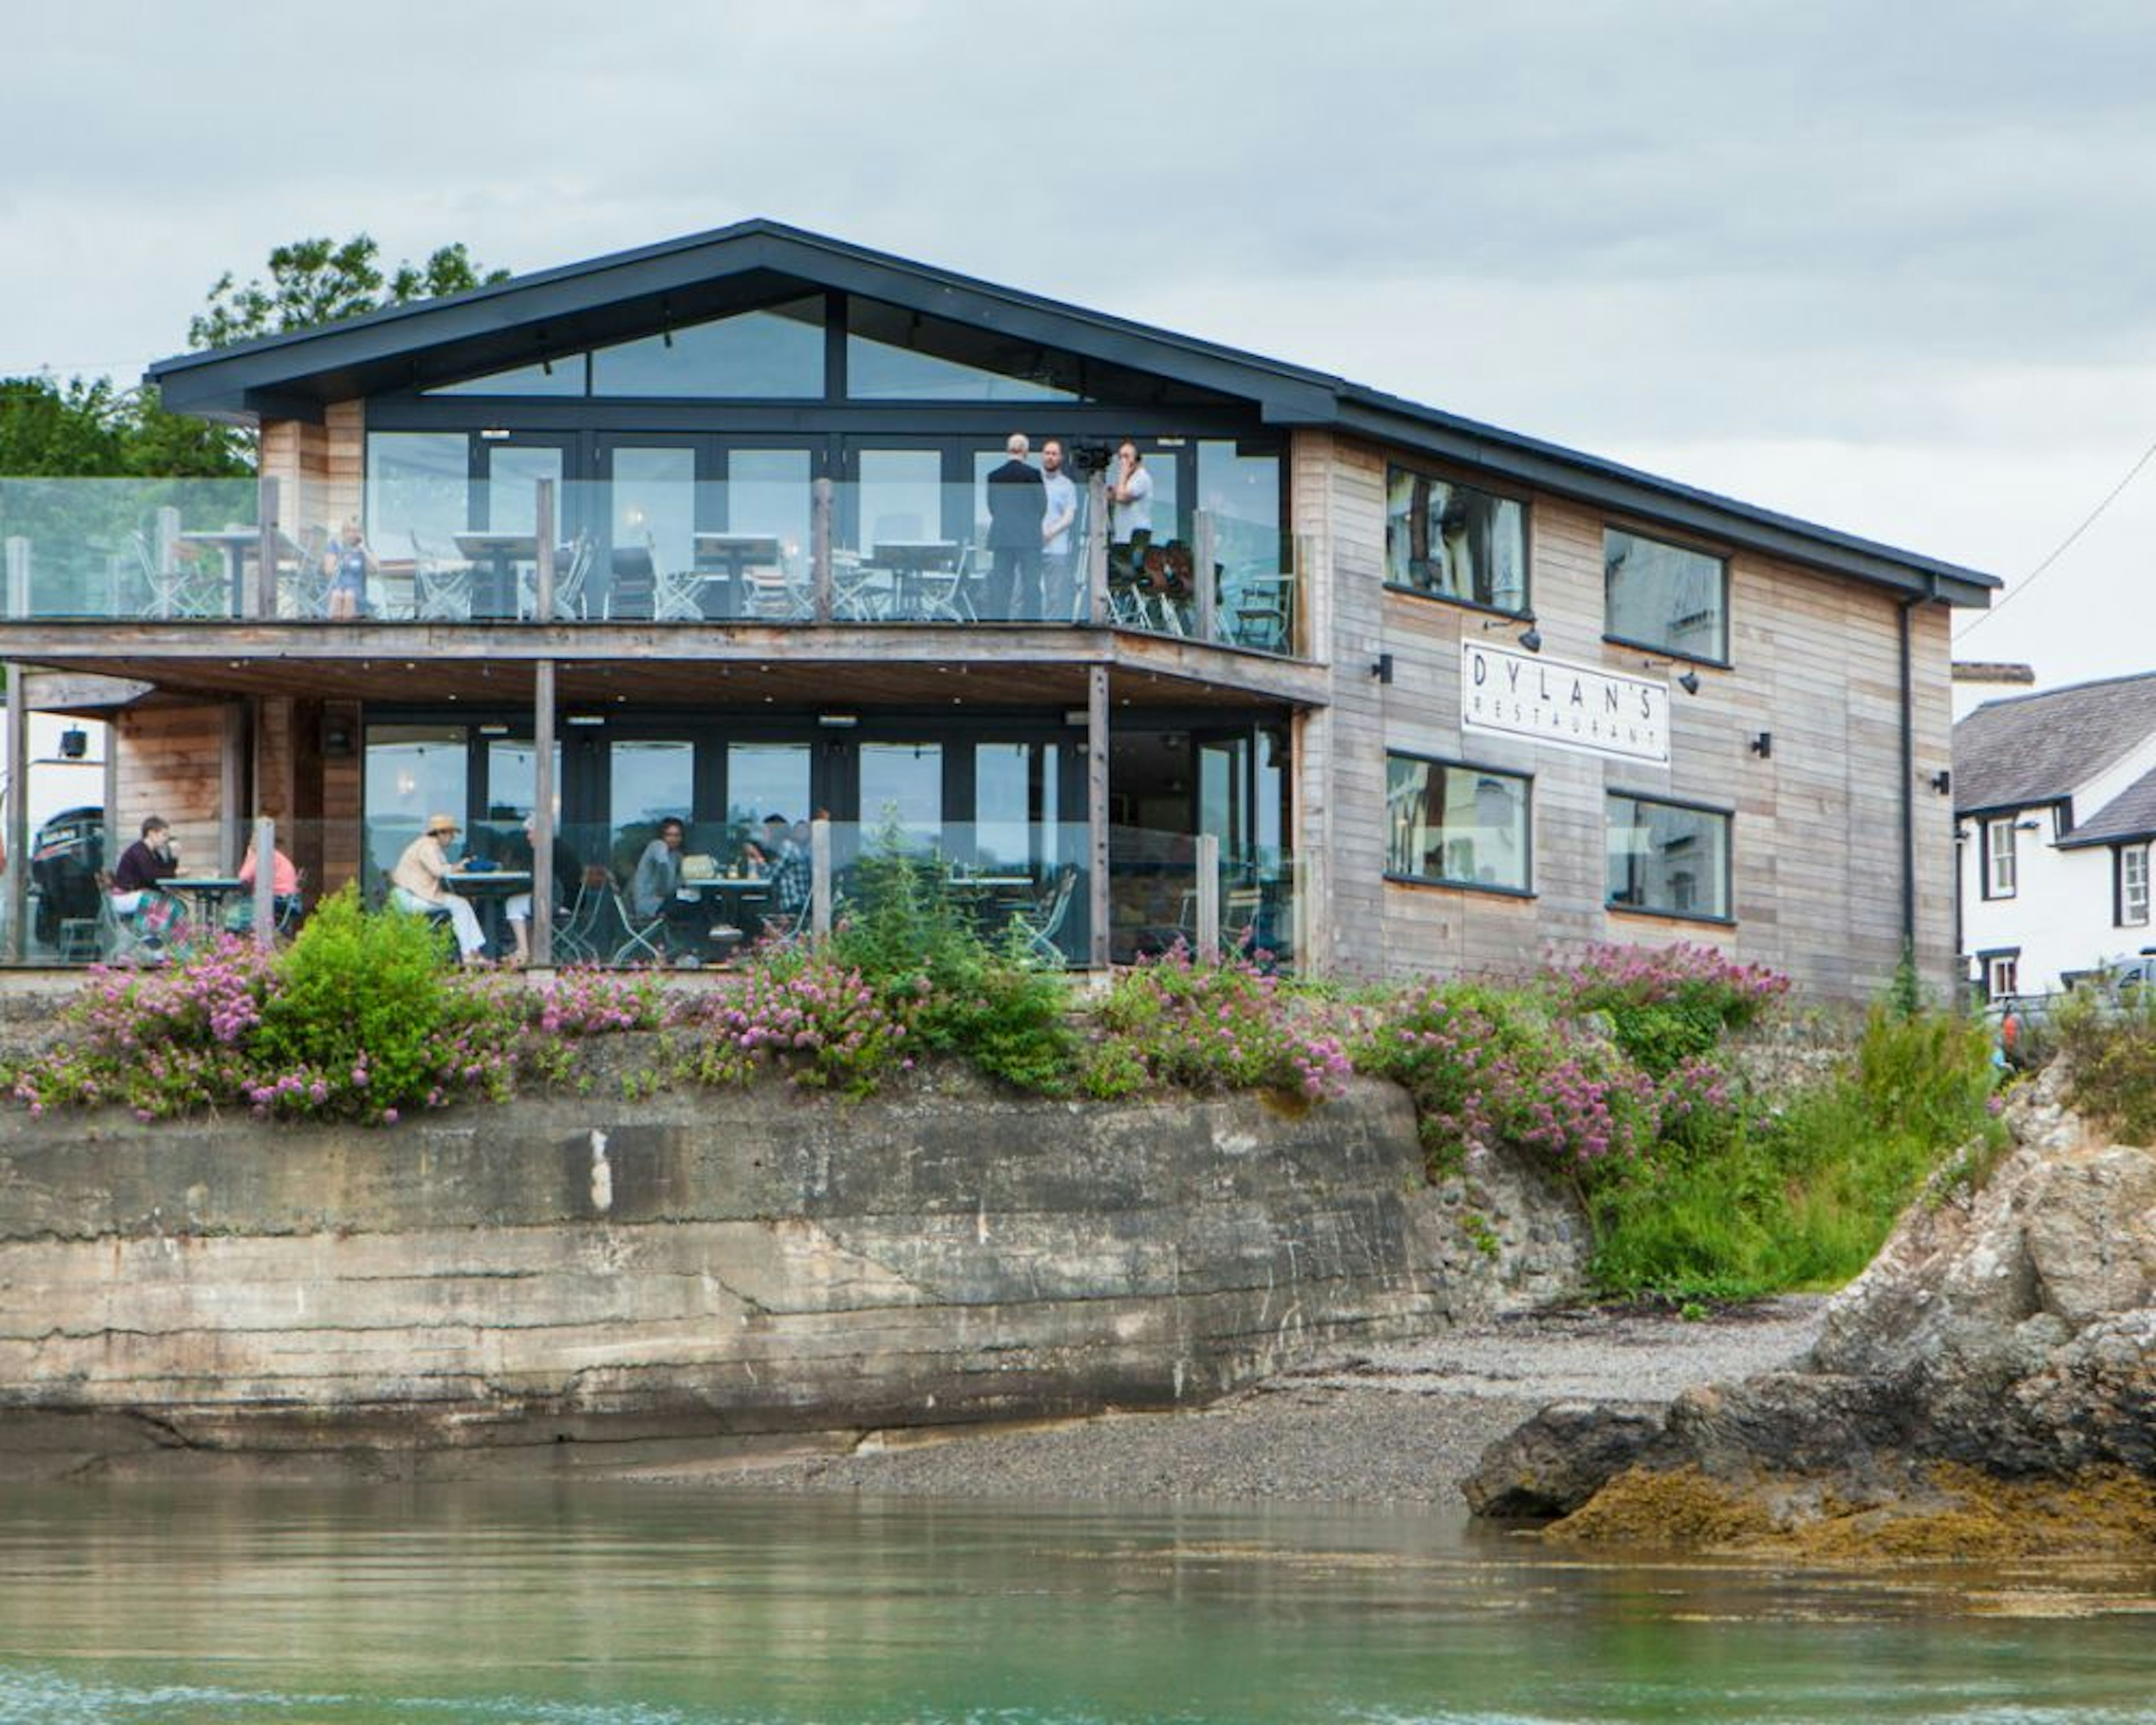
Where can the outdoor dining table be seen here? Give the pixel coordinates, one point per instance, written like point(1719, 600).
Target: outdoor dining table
point(909, 560)
point(494, 557)
point(488, 890)
point(721, 559)
point(205, 895)
point(237, 545)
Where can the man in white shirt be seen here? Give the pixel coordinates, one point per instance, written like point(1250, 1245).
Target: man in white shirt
point(1130, 517)
point(1059, 557)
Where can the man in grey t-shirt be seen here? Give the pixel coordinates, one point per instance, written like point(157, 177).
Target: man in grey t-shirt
point(1059, 536)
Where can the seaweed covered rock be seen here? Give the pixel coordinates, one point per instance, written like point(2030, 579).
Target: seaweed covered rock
point(2008, 1331)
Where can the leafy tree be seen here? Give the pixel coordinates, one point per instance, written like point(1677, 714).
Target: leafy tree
point(92, 429)
point(319, 280)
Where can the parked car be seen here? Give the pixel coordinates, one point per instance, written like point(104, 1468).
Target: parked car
point(64, 860)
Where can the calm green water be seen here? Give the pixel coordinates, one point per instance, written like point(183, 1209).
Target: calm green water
point(618, 1606)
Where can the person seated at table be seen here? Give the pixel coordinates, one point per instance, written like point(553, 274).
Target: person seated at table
point(284, 891)
point(654, 890)
point(151, 859)
point(567, 871)
point(418, 884)
point(762, 855)
point(348, 563)
point(792, 882)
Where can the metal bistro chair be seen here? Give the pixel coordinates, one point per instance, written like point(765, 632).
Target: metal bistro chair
point(647, 935)
point(307, 594)
point(572, 568)
point(1042, 925)
point(771, 595)
point(941, 595)
point(577, 940)
point(442, 582)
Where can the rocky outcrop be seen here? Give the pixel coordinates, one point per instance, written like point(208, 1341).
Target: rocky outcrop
point(2007, 1332)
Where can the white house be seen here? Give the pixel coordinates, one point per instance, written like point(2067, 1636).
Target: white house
point(2055, 809)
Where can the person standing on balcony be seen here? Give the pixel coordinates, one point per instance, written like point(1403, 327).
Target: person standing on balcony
point(1018, 508)
point(418, 884)
point(1059, 550)
point(1130, 514)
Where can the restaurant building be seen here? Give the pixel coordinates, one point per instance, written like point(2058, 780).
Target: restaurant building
point(700, 529)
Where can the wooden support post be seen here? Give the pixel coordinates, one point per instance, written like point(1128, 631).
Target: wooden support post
point(542, 805)
point(1299, 594)
point(542, 580)
point(231, 785)
point(1201, 582)
point(820, 877)
point(1208, 898)
point(264, 599)
point(265, 882)
point(1096, 552)
point(1097, 816)
point(18, 577)
point(17, 876)
point(821, 495)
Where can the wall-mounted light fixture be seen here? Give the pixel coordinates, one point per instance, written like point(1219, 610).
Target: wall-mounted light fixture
point(1530, 638)
point(74, 743)
point(1687, 680)
point(1382, 668)
point(1943, 782)
point(1763, 745)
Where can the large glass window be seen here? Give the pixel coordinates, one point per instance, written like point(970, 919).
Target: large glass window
point(513, 474)
point(417, 483)
point(764, 779)
point(1241, 493)
point(1666, 597)
point(1462, 826)
point(412, 771)
point(900, 496)
point(777, 352)
point(654, 497)
point(555, 377)
point(649, 780)
point(893, 354)
point(1455, 541)
point(768, 491)
point(903, 782)
point(1015, 805)
point(1668, 857)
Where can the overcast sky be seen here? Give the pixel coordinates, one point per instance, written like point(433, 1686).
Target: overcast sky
point(1887, 266)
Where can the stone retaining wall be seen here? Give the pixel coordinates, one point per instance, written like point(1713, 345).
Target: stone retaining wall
point(708, 1266)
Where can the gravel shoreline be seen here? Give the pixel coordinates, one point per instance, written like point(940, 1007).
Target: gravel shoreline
point(1403, 1423)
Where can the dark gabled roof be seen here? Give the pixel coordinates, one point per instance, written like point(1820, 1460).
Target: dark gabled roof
point(2129, 816)
point(634, 293)
point(2039, 749)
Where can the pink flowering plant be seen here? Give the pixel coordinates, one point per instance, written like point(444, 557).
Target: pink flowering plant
point(1172, 1023)
point(1665, 1005)
point(815, 1022)
point(358, 1019)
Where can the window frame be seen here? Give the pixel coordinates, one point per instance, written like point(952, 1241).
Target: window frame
point(1728, 816)
point(1526, 612)
point(2123, 908)
point(1450, 882)
point(1988, 855)
point(1996, 962)
point(1723, 661)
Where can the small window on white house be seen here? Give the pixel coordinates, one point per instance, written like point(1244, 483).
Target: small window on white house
point(2001, 975)
point(1998, 877)
point(2133, 886)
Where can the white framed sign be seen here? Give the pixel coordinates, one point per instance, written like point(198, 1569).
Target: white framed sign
point(1575, 706)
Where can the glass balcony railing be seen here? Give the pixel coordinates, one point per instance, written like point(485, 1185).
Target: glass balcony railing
point(796, 553)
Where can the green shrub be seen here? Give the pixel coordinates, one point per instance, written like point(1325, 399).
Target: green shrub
point(2111, 1056)
point(1171, 1021)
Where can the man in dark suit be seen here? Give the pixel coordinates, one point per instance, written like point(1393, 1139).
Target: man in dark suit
point(1018, 505)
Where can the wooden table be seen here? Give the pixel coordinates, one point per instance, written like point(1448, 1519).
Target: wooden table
point(909, 560)
point(497, 556)
point(720, 560)
point(236, 545)
point(488, 890)
point(206, 895)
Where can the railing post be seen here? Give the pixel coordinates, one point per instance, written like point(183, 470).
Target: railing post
point(265, 882)
point(18, 577)
point(542, 810)
point(1208, 898)
point(265, 554)
point(821, 493)
point(1097, 551)
point(820, 877)
point(17, 875)
point(1201, 573)
point(1298, 594)
point(542, 579)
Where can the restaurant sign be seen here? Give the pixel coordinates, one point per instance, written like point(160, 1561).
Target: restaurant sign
point(1575, 707)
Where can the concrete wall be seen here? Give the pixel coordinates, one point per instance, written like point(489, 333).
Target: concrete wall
point(703, 1268)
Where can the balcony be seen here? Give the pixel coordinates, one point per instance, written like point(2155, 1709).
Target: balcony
point(816, 554)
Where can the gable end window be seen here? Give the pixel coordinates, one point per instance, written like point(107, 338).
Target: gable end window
point(1668, 858)
point(1998, 853)
point(1452, 542)
point(2132, 882)
point(1664, 596)
point(1456, 825)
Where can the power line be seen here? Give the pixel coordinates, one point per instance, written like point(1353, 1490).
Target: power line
point(2089, 521)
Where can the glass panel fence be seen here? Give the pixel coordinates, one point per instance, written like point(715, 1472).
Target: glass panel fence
point(126, 548)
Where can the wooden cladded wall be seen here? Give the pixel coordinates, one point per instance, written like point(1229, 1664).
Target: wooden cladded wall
point(1816, 841)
